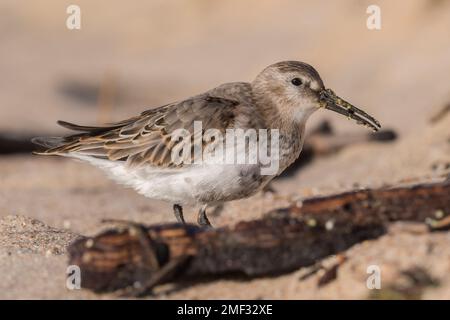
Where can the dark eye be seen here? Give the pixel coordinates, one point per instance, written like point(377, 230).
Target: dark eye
point(296, 82)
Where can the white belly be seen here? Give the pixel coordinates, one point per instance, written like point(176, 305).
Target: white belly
point(199, 184)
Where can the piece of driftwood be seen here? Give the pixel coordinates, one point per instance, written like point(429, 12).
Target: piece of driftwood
point(140, 257)
point(440, 113)
point(15, 143)
point(331, 273)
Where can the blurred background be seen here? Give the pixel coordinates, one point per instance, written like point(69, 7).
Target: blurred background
point(127, 58)
point(131, 56)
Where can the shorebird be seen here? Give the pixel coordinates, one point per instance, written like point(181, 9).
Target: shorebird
point(139, 151)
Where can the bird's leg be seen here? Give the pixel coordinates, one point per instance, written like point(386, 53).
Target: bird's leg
point(178, 212)
point(202, 219)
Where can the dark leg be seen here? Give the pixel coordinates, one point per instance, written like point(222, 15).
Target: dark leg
point(202, 219)
point(178, 211)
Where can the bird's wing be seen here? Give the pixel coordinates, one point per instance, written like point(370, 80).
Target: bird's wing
point(146, 139)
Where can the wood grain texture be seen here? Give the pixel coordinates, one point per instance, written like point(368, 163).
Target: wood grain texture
point(282, 241)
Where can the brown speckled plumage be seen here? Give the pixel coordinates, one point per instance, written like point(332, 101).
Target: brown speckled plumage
point(138, 151)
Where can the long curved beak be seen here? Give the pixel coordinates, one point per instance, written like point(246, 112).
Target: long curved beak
point(331, 101)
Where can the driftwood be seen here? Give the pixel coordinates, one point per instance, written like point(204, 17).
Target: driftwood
point(440, 113)
point(15, 143)
point(140, 257)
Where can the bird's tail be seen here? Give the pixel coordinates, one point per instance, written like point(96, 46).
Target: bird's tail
point(53, 145)
point(47, 144)
point(62, 145)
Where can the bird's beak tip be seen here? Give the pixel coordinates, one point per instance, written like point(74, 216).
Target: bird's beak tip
point(329, 100)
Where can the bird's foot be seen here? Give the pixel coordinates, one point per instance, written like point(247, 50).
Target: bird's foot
point(178, 212)
point(202, 219)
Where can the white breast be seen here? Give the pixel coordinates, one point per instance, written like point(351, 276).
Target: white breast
point(197, 184)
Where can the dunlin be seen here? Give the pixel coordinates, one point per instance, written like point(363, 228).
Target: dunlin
point(143, 152)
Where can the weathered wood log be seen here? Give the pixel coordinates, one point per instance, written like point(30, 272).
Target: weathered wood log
point(15, 143)
point(284, 240)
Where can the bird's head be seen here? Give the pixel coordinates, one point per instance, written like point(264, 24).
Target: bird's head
point(296, 90)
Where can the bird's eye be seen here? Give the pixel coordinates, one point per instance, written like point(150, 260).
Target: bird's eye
point(296, 82)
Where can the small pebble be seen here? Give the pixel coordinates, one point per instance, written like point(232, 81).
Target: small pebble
point(311, 222)
point(329, 225)
point(86, 258)
point(439, 214)
point(66, 224)
point(89, 243)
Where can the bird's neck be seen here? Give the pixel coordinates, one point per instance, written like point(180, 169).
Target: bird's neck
point(290, 125)
point(279, 115)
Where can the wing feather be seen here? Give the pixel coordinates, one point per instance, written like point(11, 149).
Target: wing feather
point(147, 138)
